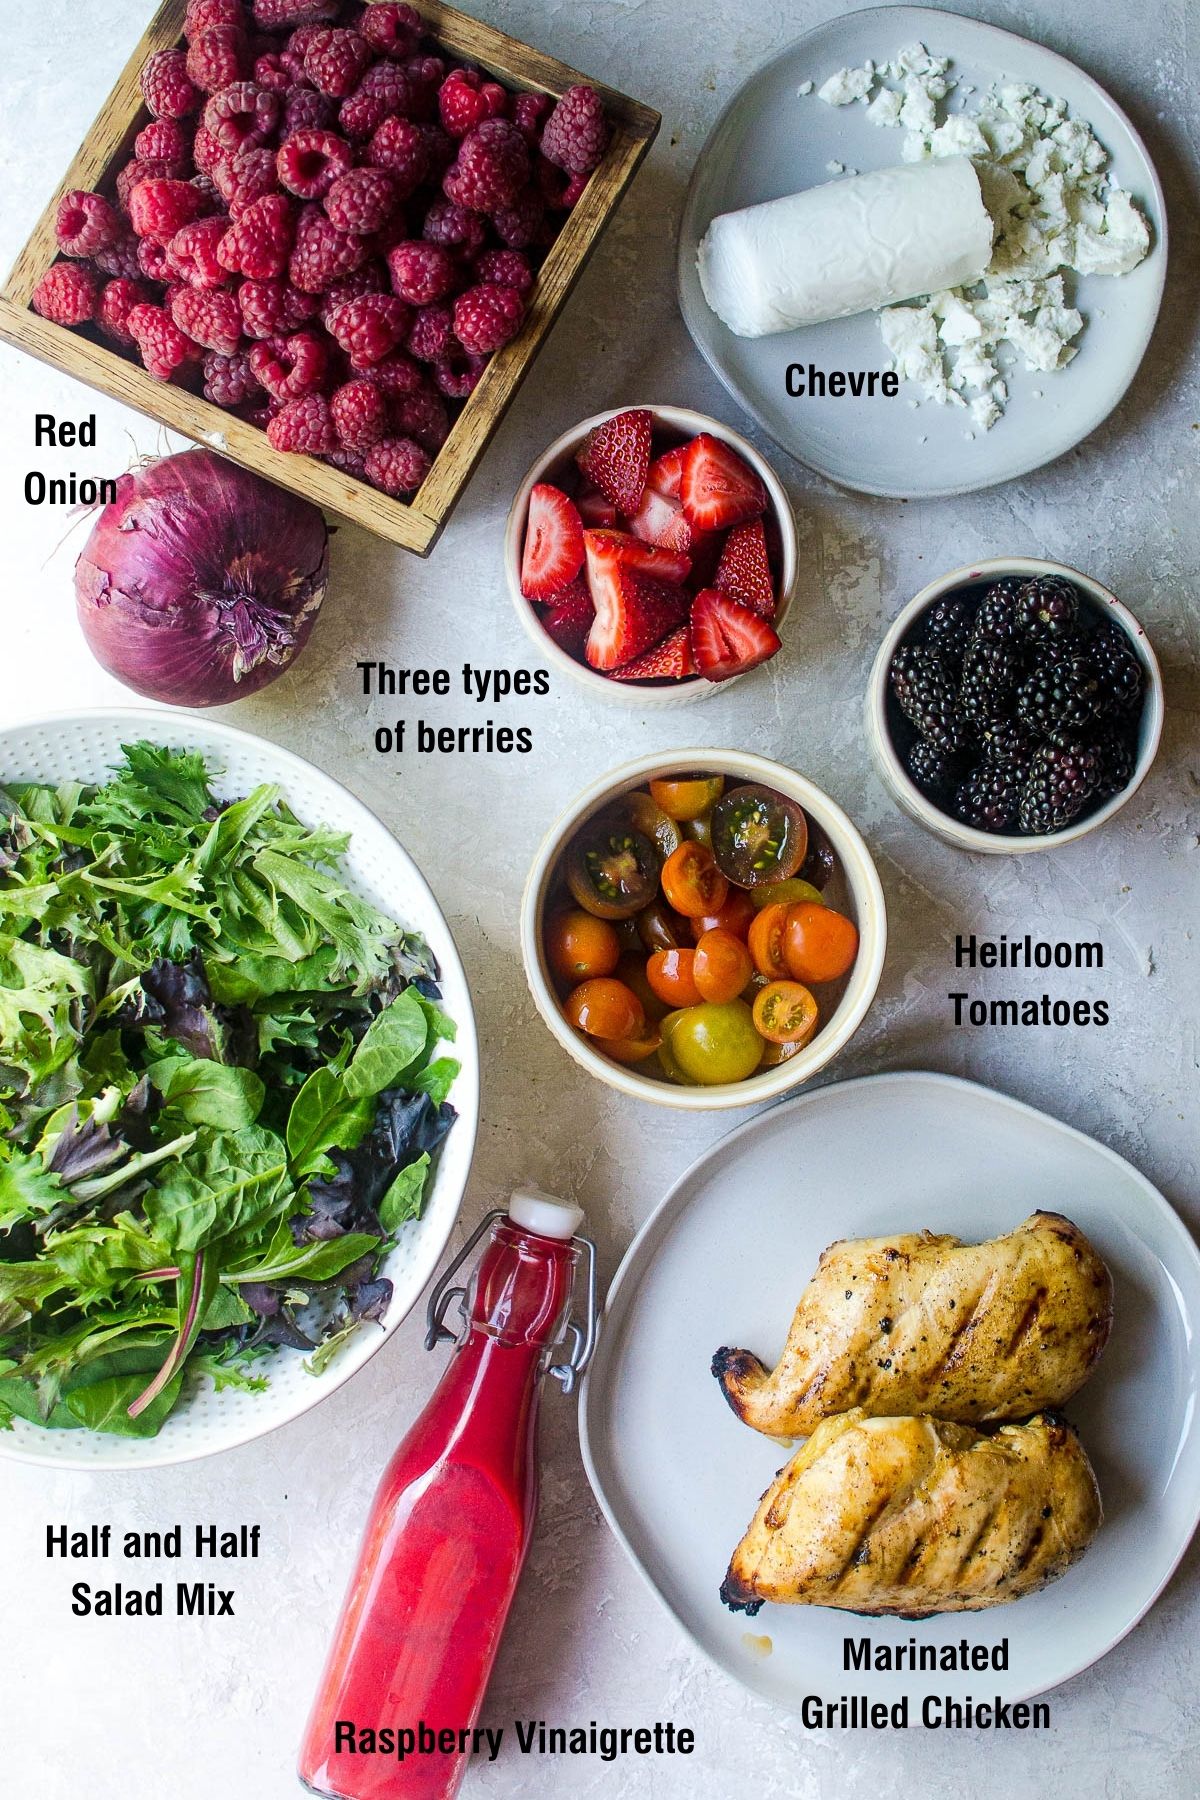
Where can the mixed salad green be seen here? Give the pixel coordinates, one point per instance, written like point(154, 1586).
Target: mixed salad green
point(220, 1092)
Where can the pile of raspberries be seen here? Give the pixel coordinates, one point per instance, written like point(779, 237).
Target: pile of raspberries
point(327, 225)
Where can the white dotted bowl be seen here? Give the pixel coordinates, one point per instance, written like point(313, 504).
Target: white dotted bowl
point(83, 747)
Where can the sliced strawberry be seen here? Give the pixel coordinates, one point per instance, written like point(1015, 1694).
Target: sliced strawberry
point(642, 558)
point(633, 612)
point(744, 571)
point(727, 637)
point(666, 472)
point(553, 543)
point(670, 660)
point(616, 457)
point(568, 618)
point(594, 509)
point(717, 488)
point(660, 520)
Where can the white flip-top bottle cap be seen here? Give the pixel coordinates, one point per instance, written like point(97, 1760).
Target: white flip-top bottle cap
point(534, 1211)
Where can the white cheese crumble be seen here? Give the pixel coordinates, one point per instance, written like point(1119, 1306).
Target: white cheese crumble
point(806, 87)
point(1055, 207)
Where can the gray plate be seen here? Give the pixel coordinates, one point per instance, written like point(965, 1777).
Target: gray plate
point(769, 141)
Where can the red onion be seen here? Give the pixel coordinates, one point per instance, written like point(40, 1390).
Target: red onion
point(200, 581)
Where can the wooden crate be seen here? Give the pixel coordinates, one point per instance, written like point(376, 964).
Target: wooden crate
point(415, 524)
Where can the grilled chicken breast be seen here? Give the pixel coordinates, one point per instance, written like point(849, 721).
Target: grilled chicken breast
point(924, 1324)
point(916, 1516)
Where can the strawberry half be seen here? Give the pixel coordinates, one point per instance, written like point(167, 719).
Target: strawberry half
point(666, 472)
point(594, 509)
point(633, 612)
point(568, 618)
point(717, 488)
point(553, 554)
point(616, 457)
point(671, 660)
point(744, 571)
point(644, 559)
point(727, 638)
point(660, 520)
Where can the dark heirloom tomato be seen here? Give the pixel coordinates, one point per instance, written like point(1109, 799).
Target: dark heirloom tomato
point(819, 861)
point(659, 928)
point(692, 881)
point(687, 796)
point(605, 1008)
point(612, 870)
point(758, 835)
point(645, 816)
point(818, 943)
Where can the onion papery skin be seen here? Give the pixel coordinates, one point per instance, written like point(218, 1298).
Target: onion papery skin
point(200, 582)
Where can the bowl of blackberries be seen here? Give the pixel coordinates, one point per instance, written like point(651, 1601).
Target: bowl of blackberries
point(1014, 705)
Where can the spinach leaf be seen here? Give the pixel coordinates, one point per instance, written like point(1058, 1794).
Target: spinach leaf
point(406, 1195)
point(209, 1093)
point(325, 1115)
point(391, 1045)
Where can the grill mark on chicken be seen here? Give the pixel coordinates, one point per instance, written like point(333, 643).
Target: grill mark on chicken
point(869, 1523)
point(956, 1349)
point(1027, 1320)
point(976, 1539)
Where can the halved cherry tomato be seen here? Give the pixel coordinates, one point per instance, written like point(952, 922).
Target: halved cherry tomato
point(659, 928)
point(612, 870)
point(631, 1050)
point(649, 818)
point(758, 835)
point(722, 966)
point(766, 941)
point(671, 974)
point(734, 916)
point(692, 882)
point(785, 1013)
point(578, 944)
point(605, 1008)
point(819, 944)
point(786, 893)
point(687, 796)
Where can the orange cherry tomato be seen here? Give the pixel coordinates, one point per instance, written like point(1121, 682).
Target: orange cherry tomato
point(766, 941)
point(631, 1050)
point(671, 974)
point(580, 945)
point(632, 971)
point(692, 882)
point(734, 916)
point(687, 796)
point(605, 1008)
point(818, 943)
point(774, 1054)
point(722, 966)
point(785, 1013)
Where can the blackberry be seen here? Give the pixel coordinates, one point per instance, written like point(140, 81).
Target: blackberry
point(990, 675)
point(925, 693)
point(1047, 607)
point(1062, 779)
point(948, 627)
point(997, 615)
point(1058, 701)
point(990, 798)
point(1118, 755)
point(1118, 671)
point(932, 769)
point(1004, 741)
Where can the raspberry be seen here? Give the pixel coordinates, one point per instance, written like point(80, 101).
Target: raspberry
point(273, 74)
point(350, 462)
point(117, 300)
point(576, 133)
point(551, 183)
point(273, 308)
point(397, 376)
point(423, 272)
point(120, 260)
point(280, 15)
point(487, 316)
point(395, 230)
point(289, 367)
point(426, 73)
point(393, 31)
point(528, 112)
point(153, 261)
point(259, 243)
point(360, 414)
point(85, 223)
point(245, 178)
point(133, 172)
point(492, 167)
point(306, 110)
point(383, 92)
point(440, 151)
point(162, 345)
point(422, 416)
point(458, 375)
point(207, 153)
point(165, 141)
point(160, 207)
point(192, 254)
point(242, 116)
point(305, 425)
point(458, 227)
point(397, 465)
point(466, 100)
point(229, 380)
point(573, 191)
point(504, 268)
point(217, 58)
point(310, 162)
point(66, 294)
point(369, 327)
point(203, 15)
point(367, 280)
point(517, 226)
point(210, 319)
point(431, 334)
point(399, 146)
point(361, 201)
point(334, 61)
point(322, 254)
point(167, 87)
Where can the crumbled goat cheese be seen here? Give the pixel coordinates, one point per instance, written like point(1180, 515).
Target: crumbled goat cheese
point(1054, 206)
point(806, 87)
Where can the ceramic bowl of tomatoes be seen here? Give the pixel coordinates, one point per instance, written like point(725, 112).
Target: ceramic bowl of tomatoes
point(705, 931)
point(651, 555)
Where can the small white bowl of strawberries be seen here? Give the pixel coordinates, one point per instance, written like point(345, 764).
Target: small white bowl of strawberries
point(651, 555)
